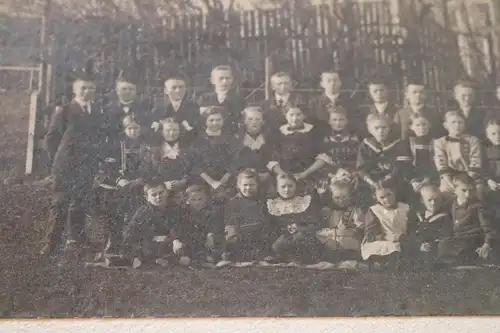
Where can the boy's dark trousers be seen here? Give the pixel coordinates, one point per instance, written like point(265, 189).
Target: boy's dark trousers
point(70, 204)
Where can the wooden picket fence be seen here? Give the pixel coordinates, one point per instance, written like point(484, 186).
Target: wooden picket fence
point(355, 40)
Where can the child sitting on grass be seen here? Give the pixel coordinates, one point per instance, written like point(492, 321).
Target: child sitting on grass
point(343, 223)
point(201, 230)
point(151, 236)
point(246, 220)
point(433, 224)
point(473, 236)
point(295, 221)
point(386, 225)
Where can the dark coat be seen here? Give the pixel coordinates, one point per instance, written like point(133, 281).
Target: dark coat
point(188, 115)
point(274, 115)
point(75, 142)
point(233, 105)
point(318, 109)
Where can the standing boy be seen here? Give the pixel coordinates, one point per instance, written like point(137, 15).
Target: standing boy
point(331, 97)
point(281, 100)
point(125, 103)
point(416, 96)
point(74, 141)
point(465, 100)
point(178, 106)
point(222, 79)
point(379, 94)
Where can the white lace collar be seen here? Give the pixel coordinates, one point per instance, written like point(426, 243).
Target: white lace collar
point(296, 205)
point(285, 129)
point(253, 144)
point(170, 152)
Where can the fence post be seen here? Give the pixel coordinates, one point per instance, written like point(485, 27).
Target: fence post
point(30, 152)
point(268, 73)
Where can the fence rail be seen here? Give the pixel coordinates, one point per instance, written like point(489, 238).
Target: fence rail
point(354, 39)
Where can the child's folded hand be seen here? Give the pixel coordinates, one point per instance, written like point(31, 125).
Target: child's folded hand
point(155, 126)
point(425, 247)
point(122, 182)
point(136, 263)
point(292, 228)
point(492, 185)
point(177, 246)
point(483, 251)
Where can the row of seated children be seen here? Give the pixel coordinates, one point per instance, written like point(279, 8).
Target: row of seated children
point(294, 226)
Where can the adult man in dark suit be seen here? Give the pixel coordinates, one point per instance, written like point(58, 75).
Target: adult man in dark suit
point(283, 97)
point(466, 103)
point(222, 79)
point(177, 105)
point(125, 103)
point(331, 96)
point(74, 141)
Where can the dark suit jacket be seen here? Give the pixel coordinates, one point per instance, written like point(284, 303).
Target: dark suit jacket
point(233, 104)
point(318, 109)
point(115, 113)
point(361, 127)
point(274, 115)
point(474, 123)
point(75, 141)
point(403, 119)
point(188, 116)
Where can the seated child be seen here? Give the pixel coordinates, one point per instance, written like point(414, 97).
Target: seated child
point(386, 225)
point(339, 149)
point(212, 152)
point(283, 98)
point(224, 96)
point(255, 150)
point(201, 230)
point(170, 158)
point(296, 145)
point(416, 96)
point(457, 152)
point(294, 220)
point(433, 224)
point(151, 235)
point(122, 177)
point(420, 148)
point(473, 236)
point(380, 158)
point(246, 220)
point(178, 106)
point(344, 226)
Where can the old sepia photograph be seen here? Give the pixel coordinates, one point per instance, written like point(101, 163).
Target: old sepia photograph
point(249, 158)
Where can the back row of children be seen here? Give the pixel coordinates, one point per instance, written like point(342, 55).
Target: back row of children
point(293, 180)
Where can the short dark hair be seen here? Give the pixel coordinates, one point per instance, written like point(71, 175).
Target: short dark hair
point(463, 178)
point(153, 183)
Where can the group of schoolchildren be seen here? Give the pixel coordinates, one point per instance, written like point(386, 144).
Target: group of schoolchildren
point(218, 181)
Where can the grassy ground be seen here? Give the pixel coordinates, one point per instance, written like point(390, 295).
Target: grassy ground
point(30, 288)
